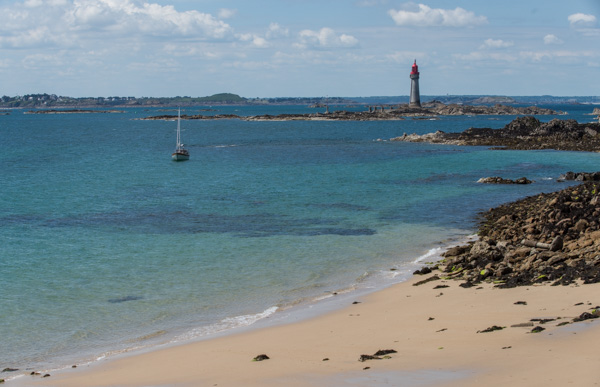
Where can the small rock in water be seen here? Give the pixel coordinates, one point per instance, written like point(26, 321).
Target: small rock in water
point(261, 357)
point(538, 329)
point(8, 369)
point(124, 299)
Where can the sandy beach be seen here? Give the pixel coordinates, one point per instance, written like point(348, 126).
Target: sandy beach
point(435, 329)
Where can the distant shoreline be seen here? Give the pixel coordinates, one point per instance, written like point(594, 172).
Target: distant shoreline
point(71, 111)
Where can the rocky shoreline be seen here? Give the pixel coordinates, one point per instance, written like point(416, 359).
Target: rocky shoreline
point(548, 238)
point(379, 113)
point(523, 133)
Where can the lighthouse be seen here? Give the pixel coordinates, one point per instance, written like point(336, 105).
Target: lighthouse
point(415, 97)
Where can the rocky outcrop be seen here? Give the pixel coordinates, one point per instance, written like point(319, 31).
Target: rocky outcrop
point(497, 109)
point(500, 180)
point(579, 176)
point(551, 238)
point(379, 113)
point(524, 133)
point(71, 111)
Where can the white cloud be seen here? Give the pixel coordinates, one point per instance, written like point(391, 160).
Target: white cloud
point(255, 40)
point(426, 16)
point(276, 31)
point(552, 39)
point(67, 22)
point(582, 19)
point(325, 38)
point(496, 43)
point(226, 13)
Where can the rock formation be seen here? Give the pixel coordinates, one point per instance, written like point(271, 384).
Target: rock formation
point(545, 238)
point(525, 133)
point(397, 112)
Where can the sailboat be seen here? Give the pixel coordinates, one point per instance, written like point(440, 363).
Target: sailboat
point(180, 154)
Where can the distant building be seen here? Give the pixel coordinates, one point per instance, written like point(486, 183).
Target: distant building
point(415, 97)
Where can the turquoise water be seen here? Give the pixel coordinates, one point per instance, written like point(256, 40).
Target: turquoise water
point(107, 245)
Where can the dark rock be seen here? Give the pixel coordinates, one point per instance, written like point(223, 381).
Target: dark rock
point(261, 358)
point(538, 329)
point(491, 329)
point(454, 251)
point(525, 133)
point(522, 325)
point(383, 352)
point(586, 316)
point(500, 180)
point(422, 271)
point(124, 299)
point(579, 176)
point(364, 358)
point(8, 369)
point(543, 320)
point(521, 303)
point(377, 355)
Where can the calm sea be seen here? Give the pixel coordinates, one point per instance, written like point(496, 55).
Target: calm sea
point(107, 245)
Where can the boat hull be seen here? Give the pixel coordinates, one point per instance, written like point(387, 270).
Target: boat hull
point(180, 156)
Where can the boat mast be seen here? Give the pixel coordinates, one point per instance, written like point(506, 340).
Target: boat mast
point(179, 128)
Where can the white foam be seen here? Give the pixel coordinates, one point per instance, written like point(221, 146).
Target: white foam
point(435, 252)
point(225, 325)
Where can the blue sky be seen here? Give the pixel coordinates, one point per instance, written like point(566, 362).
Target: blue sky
point(305, 48)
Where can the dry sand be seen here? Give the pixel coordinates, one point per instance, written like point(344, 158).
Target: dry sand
point(434, 331)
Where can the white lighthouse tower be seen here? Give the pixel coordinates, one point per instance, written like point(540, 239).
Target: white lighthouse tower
point(415, 97)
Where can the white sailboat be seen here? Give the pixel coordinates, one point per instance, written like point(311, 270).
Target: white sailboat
point(180, 154)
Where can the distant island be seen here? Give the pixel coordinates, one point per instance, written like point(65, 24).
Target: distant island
point(70, 111)
point(53, 101)
point(379, 113)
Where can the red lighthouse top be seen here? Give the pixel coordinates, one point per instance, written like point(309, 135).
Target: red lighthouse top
point(415, 68)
